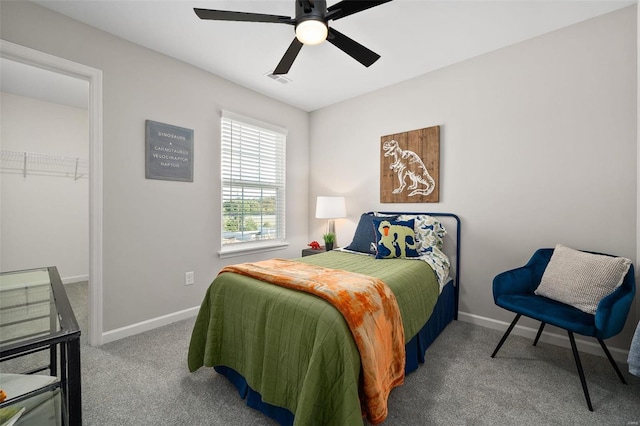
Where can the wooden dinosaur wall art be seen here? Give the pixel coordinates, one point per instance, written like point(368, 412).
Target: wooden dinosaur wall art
point(410, 166)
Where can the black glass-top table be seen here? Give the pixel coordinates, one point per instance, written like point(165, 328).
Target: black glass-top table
point(36, 316)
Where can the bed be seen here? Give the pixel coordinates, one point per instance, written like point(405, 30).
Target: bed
point(292, 355)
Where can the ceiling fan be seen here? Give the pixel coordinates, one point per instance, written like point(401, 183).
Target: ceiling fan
point(311, 26)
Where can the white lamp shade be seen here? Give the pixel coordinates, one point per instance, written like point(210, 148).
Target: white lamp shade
point(330, 207)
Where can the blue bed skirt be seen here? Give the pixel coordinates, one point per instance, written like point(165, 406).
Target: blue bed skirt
point(443, 314)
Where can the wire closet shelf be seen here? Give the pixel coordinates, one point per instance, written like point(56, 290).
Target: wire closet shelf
point(25, 163)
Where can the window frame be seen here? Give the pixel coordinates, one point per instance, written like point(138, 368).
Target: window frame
point(248, 247)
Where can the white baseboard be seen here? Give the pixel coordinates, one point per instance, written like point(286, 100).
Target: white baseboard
point(590, 347)
point(141, 327)
point(69, 280)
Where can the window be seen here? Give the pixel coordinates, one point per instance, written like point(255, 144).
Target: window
point(253, 184)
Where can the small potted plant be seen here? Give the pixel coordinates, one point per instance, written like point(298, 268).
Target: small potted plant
point(329, 240)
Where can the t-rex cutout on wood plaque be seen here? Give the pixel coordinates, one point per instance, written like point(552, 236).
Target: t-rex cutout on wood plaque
point(410, 166)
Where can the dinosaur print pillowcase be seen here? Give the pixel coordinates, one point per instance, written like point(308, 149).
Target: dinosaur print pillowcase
point(429, 232)
point(395, 239)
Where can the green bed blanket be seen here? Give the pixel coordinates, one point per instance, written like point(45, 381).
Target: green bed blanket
point(294, 348)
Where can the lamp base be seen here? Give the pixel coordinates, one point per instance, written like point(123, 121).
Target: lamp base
point(331, 226)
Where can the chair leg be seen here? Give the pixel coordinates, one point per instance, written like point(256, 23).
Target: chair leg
point(513, 324)
point(542, 324)
point(612, 361)
point(580, 371)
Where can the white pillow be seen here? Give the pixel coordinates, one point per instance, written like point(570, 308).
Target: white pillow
point(581, 279)
point(429, 232)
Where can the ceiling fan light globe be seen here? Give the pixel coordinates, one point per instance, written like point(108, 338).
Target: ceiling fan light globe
point(311, 31)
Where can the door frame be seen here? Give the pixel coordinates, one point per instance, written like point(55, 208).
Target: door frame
point(93, 76)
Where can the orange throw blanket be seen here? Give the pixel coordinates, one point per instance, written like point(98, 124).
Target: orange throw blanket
point(370, 309)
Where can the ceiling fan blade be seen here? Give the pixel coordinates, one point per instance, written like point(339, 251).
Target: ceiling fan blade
point(352, 48)
point(288, 58)
point(349, 7)
point(224, 15)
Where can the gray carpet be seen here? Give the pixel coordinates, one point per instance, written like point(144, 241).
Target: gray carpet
point(143, 380)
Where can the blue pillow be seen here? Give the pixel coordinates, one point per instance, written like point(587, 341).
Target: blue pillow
point(395, 238)
point(364, 239)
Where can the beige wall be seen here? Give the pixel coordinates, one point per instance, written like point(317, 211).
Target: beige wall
point(637, 301)
point(538, 147)
point(155, 231)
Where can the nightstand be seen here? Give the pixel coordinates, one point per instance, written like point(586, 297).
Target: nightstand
point(311, 252)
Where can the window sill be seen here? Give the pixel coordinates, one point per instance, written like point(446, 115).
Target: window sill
point(251, 249)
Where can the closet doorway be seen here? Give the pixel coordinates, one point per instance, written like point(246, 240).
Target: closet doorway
point(51, 191)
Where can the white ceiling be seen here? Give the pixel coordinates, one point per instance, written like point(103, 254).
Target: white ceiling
point(33, 82)
point(413, 37)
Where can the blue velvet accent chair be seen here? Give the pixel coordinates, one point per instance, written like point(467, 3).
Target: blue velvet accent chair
point(514, 291)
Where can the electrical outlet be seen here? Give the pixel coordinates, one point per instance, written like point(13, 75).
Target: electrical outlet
point(188, 278)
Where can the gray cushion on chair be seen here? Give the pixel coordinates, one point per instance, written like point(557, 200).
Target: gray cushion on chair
point(581, 279)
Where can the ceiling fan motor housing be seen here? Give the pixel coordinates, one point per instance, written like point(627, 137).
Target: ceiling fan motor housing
point(310, 23)
point(308, 9)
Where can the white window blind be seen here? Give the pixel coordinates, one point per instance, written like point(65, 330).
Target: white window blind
point(253, 184)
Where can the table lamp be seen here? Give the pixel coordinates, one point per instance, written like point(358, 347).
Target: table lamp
point(330, 208)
